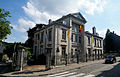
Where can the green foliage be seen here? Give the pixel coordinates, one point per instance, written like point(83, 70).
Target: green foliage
point(9, 49)
point(29, 54)
point(108, 42)
point(5, 27)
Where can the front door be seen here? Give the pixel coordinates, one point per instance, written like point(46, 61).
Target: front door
point(48, 58)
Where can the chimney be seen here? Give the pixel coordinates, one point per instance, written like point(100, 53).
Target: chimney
point(113, 32)
point(94, 30)
point(50, 21)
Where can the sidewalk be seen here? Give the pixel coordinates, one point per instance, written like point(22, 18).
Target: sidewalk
point(38, 72)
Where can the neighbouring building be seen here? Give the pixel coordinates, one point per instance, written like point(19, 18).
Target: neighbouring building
point(30, 32)
point(65, 41)
point(112, 43)
point(93, 45)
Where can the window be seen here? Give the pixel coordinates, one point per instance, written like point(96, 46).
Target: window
point(50, 35)
point(73, 27)
point(100, 44)
point(63, 34)
point(41, 49)
point(79, 39)
point(75, 49)
point(63, 52)
point(42, 34)
point(72, 38)
point(35, 39)
point(88, 40)
point(89, 53)
point(75, 38)
point(38, 36)
point(95, 42)
point(35, 50)
point(78, 29)
point(71, 53)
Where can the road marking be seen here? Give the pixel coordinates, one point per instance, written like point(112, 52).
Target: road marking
point(81, 74)
point(90, 75)
point(70, 74)
point(59, 74)
point(100, 69)
point(67, 74)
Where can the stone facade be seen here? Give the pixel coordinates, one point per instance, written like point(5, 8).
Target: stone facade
point(93, 46)
point(62, 41)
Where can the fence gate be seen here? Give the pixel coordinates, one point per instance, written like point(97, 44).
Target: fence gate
point(75, 58)
point(20, 59)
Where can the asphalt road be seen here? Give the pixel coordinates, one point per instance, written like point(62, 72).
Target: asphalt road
point(94, 70)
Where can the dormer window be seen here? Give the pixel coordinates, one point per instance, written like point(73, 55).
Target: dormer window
point(64, 22)
point(50, 35)
point(63, 34)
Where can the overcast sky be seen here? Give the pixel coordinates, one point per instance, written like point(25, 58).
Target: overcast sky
point(103, 14)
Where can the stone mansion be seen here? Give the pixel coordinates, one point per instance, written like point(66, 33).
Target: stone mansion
point(65, 40)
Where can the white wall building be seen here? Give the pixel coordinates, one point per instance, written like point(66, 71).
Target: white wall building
point(93, 45)
point(62, 40)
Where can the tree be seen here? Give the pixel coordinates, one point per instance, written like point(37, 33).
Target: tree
point(9, 49)
point(108, 43)
point(5, 27)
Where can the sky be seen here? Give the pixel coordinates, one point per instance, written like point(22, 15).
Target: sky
point(103, 14)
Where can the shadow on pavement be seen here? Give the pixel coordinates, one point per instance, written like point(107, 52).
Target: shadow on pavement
point(114, 72)
point(5, 67)
point(27, 72)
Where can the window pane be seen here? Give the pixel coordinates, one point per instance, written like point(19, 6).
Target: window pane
point(42, 34)
point(64, 34)
point(50, 35)
point(72, 38)
point(88, 40)
point(63, 52)
point(79, 39)
point(75, 38)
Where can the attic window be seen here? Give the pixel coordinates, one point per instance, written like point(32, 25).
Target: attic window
point(79, 16)
point(64, 22)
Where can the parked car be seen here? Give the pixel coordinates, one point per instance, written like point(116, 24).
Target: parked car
point(110, 59)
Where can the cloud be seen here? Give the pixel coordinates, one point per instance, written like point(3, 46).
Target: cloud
point(96, 6)
point(36, 15)
point(23, 25)
point(41, 11)
point(101, 32)
point(11, 39)
point(25, 37)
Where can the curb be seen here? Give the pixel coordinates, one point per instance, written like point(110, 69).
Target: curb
point(71, 68)
point(83, 64)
